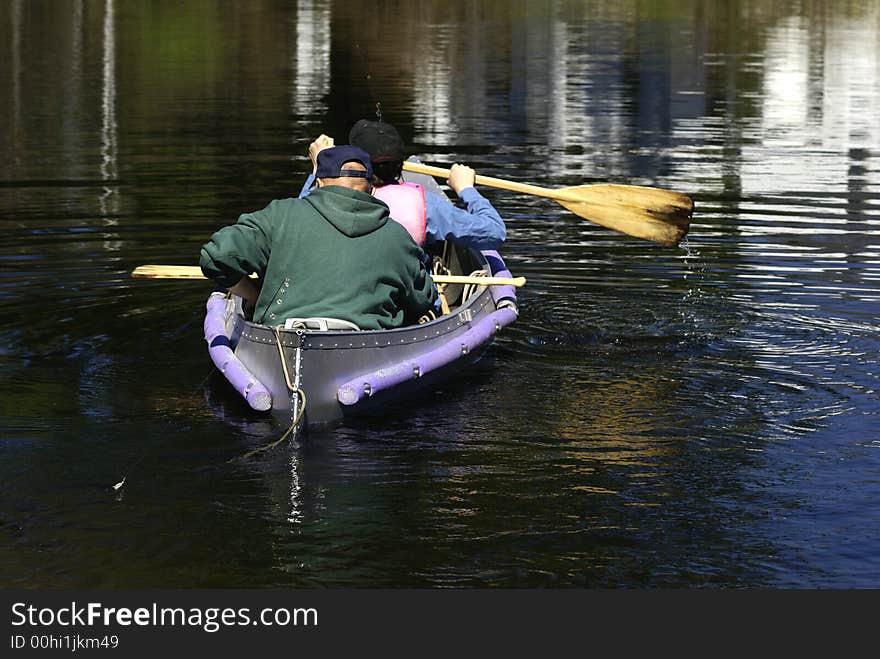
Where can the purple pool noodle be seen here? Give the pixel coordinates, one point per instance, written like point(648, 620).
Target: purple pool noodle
point(498, 269)
point(357, 388)
point(254, 392)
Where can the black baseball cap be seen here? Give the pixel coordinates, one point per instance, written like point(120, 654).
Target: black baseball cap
point(332, 160)
point(380, 140)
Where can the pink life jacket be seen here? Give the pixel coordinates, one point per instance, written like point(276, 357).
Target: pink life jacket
point(407, 204)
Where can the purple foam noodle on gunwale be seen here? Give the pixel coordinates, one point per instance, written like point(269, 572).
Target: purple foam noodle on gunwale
point(498, 269)
point(220, 349)
point(362, 386)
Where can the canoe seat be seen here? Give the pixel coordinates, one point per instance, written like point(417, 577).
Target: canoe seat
point(321, 324)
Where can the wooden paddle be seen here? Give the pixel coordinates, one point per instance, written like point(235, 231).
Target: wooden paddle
point(194, 272)
point(661, 216)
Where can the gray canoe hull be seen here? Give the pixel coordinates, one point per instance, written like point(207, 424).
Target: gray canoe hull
point(344, 373)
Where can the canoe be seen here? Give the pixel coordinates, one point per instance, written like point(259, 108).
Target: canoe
point(320, 372)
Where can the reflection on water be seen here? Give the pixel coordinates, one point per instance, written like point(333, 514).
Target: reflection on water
point(108, 119)
point(700, 416)
point(311, 80)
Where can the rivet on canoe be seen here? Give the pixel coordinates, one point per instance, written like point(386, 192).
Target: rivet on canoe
point(368, 390)
point(464, 349)
point(417, 373)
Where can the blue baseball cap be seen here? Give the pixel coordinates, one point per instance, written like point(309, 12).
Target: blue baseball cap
point(332, 160)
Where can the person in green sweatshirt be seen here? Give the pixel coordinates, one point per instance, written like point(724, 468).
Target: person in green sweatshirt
point(335, 253)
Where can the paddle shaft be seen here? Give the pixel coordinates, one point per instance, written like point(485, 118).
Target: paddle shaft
point(482, 281)
point(194, 272)
point(491, 182)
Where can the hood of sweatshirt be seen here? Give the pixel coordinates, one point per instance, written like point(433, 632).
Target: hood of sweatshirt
point(353, 213)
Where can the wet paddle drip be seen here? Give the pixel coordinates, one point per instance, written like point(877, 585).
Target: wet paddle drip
point(368, 77)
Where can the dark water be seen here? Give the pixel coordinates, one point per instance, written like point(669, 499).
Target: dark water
point(701, 416)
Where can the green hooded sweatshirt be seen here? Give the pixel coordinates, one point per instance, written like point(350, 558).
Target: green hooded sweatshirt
point(335, 253)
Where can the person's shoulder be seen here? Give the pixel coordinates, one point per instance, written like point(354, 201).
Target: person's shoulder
point(440, 206)
point(288, 201)
point(277, 210)
point(440, 201)
point(286, 204)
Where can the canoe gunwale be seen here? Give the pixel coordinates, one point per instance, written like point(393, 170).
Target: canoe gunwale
point(351, 340)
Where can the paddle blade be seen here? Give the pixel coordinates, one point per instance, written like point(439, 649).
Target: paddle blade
point(167, 272)
point(661, 216)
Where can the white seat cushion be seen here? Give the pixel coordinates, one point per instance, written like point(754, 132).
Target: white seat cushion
point(321, 324)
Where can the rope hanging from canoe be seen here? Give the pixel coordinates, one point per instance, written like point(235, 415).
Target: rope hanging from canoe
point(295, 391)
point(293, 387)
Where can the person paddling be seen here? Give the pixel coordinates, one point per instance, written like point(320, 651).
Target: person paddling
point(428, 217)
point(334, 254)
